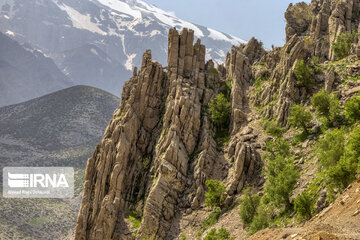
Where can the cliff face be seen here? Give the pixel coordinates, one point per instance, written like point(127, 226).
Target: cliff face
point(161, 147)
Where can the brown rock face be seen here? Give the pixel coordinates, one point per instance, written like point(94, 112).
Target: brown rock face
point(159, 150)
point(238, 67)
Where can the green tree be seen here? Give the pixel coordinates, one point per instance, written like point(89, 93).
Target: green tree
point(303, 74)
point(261, 219)
point(279, 147)
point(342, 45)
point(326, 105)
point(220, 110)
point(248, 206)
point(273, 128)
point(282, 177)
point(221, 234)
point(215, 196)
point(300, 117)
point(304, 205)
point(330, 147)
point(352, 109)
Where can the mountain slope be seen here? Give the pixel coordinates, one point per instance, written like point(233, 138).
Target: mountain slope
point(59, 129)
point(122, 29)
point(56, 129)
point(26, 74)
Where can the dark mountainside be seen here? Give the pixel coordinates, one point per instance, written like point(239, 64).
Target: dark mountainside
point(58, 129)
point(188, 139)
point(26, 74)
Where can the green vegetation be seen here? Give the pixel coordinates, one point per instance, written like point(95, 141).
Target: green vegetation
point(282, 177)
point(261, 220)
point(273, 128)
point(39, 221)
point(342, 45)
point(215, 196)
point(220, 110)
point(248, 206)
point(327, 106)
point(274, 206)
point(303, 74)
point(221, 234)
point(352, 109)
point(135, 219)
point(304, 205)
point(210, 220)
point(300, 117)
point(183, 236)
point(339, 156)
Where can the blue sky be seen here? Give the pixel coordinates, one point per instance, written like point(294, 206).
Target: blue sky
point(263, 19)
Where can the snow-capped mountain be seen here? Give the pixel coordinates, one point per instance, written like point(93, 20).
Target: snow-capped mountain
point(120, 29)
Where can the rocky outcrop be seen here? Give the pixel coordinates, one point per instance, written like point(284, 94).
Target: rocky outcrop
point(159, 148)
point(238, 68)
point(298, 19)
point(115, 172)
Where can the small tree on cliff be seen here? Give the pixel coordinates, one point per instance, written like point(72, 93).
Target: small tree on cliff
point(300, 117)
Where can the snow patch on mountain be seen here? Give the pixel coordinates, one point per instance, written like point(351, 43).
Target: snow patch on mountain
point(121, 7)
point(129, 62)
point(81, 21)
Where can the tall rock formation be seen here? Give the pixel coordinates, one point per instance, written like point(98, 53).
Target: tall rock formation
point(159, 148)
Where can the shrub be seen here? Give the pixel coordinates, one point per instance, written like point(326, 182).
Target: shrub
point(282, 177)
point(220, 110)
point(352, 109)
point(272, 128)
point(182, 236)
point(304, 205)
point(221, 234)
point(303, 74)
point(339, 157)
point(326, 105)
point(342, 45)
point(345, 172)
point(211, 219)
point(279, 147)
point(300, 117)
point(260, 221)
point(330, 147)
point(215, 196)
point(248, 206)
point(135, 219)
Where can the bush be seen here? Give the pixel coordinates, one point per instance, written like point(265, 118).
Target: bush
point(221, 234)
point(304, 205)
point(272, 128)
point(342, 45)
point(326, 105)
point(339, 157)
point(248, 206)
point(211, 219)
point(260, 221)
point(279, 147)
point(135, 219)
point(282, 177)
point(220, 110)
point(330, 147)
point(303, 74)
point(215, 196)
point(182, 236)
point(300, 117)
point(352, 109)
